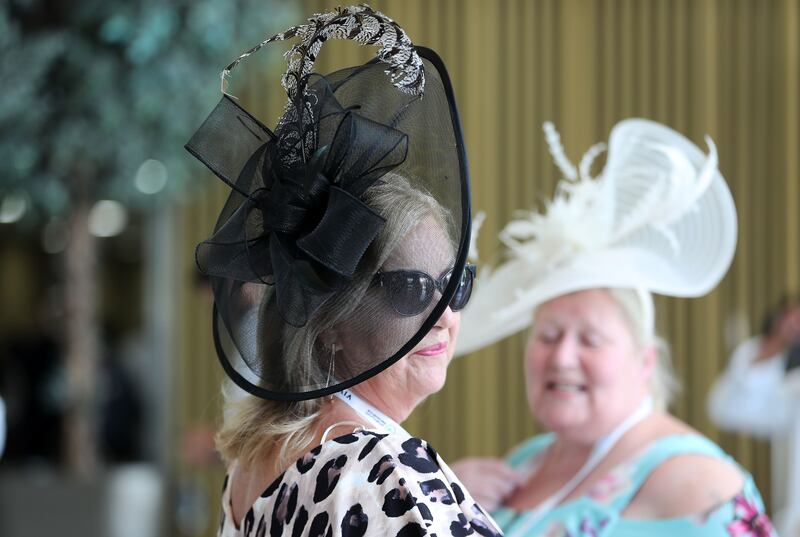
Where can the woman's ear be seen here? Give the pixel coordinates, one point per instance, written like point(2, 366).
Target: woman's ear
point(649, 361)
point(330, 340)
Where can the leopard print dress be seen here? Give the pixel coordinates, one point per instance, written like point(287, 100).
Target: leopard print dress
point(363, 483)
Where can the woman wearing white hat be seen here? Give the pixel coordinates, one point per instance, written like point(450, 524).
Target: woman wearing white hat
point(660, 219)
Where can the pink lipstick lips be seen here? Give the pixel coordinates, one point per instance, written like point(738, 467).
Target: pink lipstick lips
point(433, 350)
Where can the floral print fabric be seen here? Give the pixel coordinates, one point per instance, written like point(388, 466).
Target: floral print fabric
point(599, 513)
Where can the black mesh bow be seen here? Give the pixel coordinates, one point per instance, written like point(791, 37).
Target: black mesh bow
point(296, 223)
point(309, 202)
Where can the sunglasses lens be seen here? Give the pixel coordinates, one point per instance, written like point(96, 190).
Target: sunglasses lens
point(410, 292)
point(463, 291)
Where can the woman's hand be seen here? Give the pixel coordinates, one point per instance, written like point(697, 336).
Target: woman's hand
point(490, 481)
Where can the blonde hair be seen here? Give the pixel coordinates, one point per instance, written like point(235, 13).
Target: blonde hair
point(663, 383)
point(253, 427)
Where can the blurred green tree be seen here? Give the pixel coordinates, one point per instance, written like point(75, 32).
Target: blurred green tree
point(99, 98)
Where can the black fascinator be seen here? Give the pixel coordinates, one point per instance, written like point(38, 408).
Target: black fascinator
point(305, 303)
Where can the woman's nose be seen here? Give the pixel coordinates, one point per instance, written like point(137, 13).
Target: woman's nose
point(448, 318)
point(564, 353)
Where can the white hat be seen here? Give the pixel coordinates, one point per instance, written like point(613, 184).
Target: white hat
point(659, 219)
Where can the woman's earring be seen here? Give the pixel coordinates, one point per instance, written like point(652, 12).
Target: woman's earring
point(334, 348)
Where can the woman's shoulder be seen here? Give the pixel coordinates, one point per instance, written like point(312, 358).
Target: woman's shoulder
point(699, 490)
point(690, 483)
point(355, 450)
point(685, 473)
point(389, 483)
point(364, 446)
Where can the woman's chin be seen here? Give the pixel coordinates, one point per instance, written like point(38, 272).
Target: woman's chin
point(434, 383)
point(561, 420)
point(431, 384)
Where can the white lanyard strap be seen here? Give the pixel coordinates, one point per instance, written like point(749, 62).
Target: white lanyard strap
point(387, 425)
point(598, 453)
point(381, 421)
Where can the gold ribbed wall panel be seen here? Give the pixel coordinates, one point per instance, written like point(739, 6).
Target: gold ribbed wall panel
point(728, 68)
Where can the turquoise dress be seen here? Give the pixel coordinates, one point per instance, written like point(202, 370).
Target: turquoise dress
point(599, 513)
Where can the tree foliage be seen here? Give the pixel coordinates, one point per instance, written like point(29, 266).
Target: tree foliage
point(94, 88)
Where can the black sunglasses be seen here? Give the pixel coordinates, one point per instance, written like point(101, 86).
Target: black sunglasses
point(411, 291)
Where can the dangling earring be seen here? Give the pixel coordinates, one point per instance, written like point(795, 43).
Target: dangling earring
point(331, 368)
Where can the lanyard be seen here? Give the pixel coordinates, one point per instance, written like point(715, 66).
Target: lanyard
point(381, 421)
point(599, 451)
point(387, 425)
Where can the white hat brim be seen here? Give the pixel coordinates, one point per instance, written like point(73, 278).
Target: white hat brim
point(504, 299)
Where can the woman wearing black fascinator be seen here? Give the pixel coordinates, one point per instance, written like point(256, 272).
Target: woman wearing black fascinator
point(338, 269)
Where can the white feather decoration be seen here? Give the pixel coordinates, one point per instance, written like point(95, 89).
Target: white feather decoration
point(588, 158)
point(557, 150)
point(658, 219)
point(585, 213)
point(477, 222)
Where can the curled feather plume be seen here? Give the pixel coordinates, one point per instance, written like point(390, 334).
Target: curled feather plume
point(647, 184)
point(658, 219)
point(359, 23)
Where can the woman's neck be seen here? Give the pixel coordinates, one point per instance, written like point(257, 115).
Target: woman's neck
point(579, 443)
point(336, 418)
point(567, 452)
point(388, 404)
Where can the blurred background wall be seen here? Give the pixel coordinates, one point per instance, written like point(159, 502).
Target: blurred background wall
point(729, 69)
